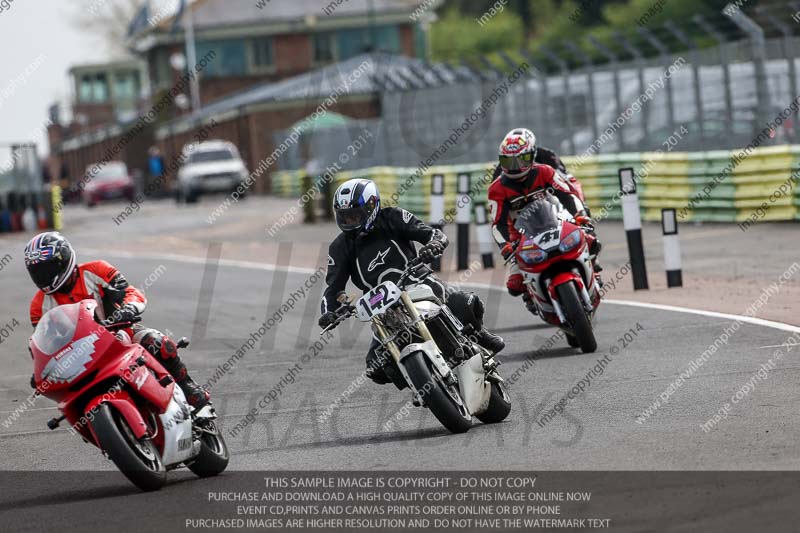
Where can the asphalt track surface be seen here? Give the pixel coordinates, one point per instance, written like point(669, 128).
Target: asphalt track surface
point(598, 431)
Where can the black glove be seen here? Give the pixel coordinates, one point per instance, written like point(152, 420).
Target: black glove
point(431, 251)
point(127, 314)
point(327, 319)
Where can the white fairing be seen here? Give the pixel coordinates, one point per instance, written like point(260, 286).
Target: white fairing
point(475, 390)
point(427, 309)
point(421, 292)
point(430, 349)
point(377, 301)
point(177, 425)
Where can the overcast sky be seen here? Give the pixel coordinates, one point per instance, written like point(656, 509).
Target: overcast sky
point(39, 43)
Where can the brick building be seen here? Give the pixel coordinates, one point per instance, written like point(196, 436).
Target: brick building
point(265, 68)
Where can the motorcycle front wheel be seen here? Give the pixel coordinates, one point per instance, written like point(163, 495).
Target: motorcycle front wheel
point(138, 459)
point(442, 399)
point(576, 317)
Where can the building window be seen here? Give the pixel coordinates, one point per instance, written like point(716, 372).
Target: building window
point(351, 43)
point(126, 86)
point(224, 58)
point(100, 88)
point(261, 57)
point(85, 88)
point(323, 48)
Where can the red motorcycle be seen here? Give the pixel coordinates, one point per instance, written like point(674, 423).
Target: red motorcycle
point(553, 255)
point(117, 396)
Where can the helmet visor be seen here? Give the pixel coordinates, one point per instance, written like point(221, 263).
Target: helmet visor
point(45, 275)
point(352, 218)
point(516, 163)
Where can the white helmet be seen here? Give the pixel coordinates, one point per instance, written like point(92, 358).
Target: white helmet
point(356, 204)
point(517, 152)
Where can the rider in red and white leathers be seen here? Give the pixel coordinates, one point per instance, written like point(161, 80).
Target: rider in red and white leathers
point(521, 176)
point(51, 263)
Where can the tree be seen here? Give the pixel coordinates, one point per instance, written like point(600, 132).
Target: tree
point(107, 21)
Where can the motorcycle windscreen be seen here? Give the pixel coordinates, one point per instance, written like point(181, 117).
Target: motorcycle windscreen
point(538, 216)
point(56, 328)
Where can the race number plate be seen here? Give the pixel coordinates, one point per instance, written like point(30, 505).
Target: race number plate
point(377, 301)
point(549, 239)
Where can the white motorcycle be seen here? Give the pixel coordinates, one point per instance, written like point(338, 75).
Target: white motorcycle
point(447, 370)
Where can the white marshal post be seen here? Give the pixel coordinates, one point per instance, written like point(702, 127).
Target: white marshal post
point(485, 240)
point(463, 218)
point(437, 211)
point(632, 222)
point(672, 248)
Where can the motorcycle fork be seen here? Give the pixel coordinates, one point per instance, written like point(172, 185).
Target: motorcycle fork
point(422, 327)
point(382, 335)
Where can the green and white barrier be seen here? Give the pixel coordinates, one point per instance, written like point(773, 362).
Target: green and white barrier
point(715, 186)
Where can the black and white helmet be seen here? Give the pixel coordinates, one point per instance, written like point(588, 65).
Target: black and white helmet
point(50, 260)
point(356, 205)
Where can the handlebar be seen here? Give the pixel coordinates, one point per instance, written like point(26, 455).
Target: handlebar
point(342, 314)
point(416, 268)
point(116, 326)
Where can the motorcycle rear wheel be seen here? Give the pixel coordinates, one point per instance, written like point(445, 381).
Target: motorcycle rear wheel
point(443, 400)
point(214, 456)
point(576, 317)
point(138, 459)
point(499, 405)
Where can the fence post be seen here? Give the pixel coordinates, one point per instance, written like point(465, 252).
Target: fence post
point(756, 34)
point(632, 221)
point(437, 211)
point(672, 248)
point(485, 241)
point(463, 218)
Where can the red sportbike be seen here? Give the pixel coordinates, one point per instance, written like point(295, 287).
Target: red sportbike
point(553, 255)
point(121, 399)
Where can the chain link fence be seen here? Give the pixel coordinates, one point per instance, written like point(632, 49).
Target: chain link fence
point(723, 95)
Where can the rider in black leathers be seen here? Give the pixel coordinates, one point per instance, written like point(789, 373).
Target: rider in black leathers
point(375, 246)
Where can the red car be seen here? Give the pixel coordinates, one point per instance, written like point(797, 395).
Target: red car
point(110, 181)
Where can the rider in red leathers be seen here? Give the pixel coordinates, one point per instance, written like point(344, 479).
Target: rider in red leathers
point(520, 177)
point(51, 263)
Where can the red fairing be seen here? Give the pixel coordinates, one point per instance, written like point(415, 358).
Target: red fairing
point(562, 278)
point(572, 255)
point(124, 404)
point(80, 364)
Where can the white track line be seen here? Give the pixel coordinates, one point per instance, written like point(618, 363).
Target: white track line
point(714, 314)
point(298, 270)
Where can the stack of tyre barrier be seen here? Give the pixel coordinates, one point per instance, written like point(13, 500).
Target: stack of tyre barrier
point(714, 186)
point(29, 211)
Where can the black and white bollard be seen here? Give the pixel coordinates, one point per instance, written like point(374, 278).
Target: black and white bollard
point(463, 218)
point(484, 232)
point(672, 248)
point(437, 211)
point(632, 222)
